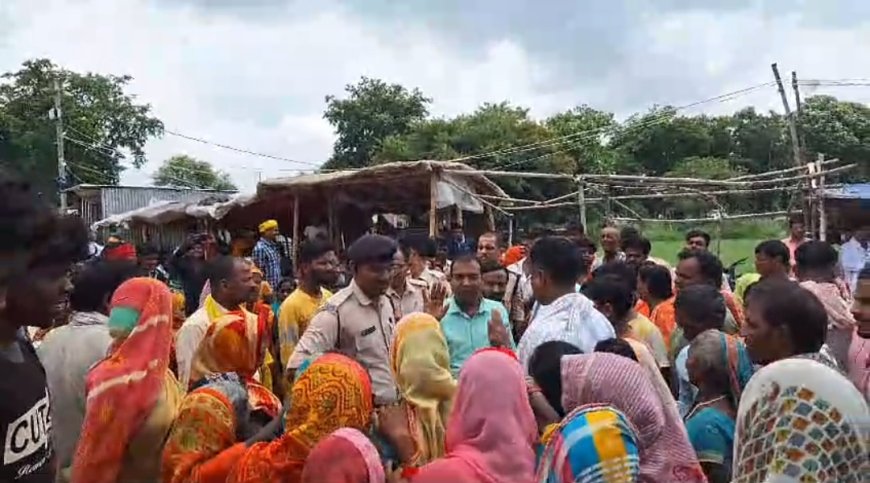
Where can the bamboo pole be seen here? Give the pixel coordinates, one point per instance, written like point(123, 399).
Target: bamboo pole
point(563, 197)
point(823, 216)
point(458, 210)
point(433, 208)
point(508, 199)
point(474, 195)
point(510, 174)
point(490, 218)
point(810, 200)
point(330, 222)
point(653, 180)
point(654, 196)
point(510, 231)
point(541, 207)
point(581, 203)
point(779, 171)
point(296, 241)
point(714, 219)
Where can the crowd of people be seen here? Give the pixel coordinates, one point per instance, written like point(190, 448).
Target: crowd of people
point(541, 362)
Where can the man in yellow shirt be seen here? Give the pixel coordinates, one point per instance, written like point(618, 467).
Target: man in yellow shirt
point(318, 266)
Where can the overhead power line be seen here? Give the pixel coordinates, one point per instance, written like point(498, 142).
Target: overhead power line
point(239, 150)
point(653, 121)
point(571, 138)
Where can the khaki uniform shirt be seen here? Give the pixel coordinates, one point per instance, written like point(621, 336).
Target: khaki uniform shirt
point(358, 326)
point(513, 300)
point(429, 278)
point(409, 302)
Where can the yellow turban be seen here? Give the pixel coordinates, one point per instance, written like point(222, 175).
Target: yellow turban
point(268, 225)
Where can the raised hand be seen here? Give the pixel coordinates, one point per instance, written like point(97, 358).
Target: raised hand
point(498, 335)
point(434, 300)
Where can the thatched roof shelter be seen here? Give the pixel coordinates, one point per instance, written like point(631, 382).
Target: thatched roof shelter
point(391, 187)
point(346, 198)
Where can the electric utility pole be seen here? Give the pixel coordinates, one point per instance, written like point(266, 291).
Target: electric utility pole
point(61, 162)
point(795, 143)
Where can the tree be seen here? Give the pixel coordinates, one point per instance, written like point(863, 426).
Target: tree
point(838, 129)
point(698, 167)
point(491, 137)
point(99, 119)
point(659, 139)
point(373, 111)
point(583, 131)
point(184, 171)
point(760, 142)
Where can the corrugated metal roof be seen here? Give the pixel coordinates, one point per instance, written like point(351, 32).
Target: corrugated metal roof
point(857, 191)
point(121, 199)
point(80, 188)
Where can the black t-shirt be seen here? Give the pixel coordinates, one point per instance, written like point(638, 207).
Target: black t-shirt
point(25, 419)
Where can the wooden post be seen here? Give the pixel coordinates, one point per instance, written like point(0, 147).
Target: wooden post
point(581, 202)
point(330, 219)
point(810, 200)
point(510, 231)
point(795, 142)
point(823, 217)
point(433, 208)
point(490, 218)
point(459, 215)
point(296, 241)
point(792, 127)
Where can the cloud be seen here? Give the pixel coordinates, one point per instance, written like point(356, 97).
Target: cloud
point(254, 74)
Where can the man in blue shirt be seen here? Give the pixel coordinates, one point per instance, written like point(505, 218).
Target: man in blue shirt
point(472, 322)
point(457, 244)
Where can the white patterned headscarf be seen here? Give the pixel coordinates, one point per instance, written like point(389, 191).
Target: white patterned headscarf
point(800, 420)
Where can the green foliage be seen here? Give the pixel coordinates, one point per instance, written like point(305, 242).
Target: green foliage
point(96, 112)
point(183, 171)
point(838, 129)
point(704, 167)
point(587, 151)
point(697, 167)
point(764, 229)
point(373, 111)
point(659, 142)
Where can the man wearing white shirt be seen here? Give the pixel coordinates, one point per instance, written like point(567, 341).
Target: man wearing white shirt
point(562, 313)
point(854, 255)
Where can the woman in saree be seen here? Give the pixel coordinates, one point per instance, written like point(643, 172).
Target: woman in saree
point(610, 379)
point(421, 367)
point(491, 431)
point(594, 444)
point(720, 368)
point(820, 421)
point(202, 447)
point(334, 392)
point(132, 396)
point(237, 341)
point(345, 456)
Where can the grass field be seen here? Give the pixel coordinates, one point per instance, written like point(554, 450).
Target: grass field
point(729, 252)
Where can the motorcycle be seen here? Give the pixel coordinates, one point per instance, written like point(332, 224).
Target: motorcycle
point(731, 271)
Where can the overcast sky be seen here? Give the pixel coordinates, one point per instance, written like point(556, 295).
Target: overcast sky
point(253, 73)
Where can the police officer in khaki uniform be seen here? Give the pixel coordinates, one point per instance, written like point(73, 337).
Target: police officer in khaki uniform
point(359, 319)
point(419, 252)
point(406, 297)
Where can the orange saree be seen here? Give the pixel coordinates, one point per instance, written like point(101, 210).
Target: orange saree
point(334, 392)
